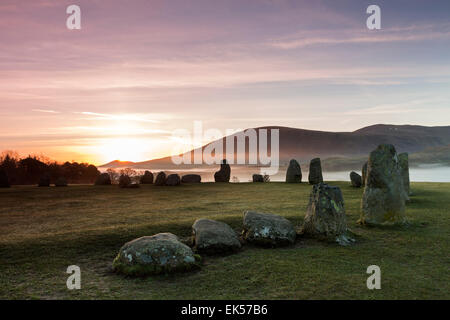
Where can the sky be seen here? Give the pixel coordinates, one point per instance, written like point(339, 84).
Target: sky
point(138, 70)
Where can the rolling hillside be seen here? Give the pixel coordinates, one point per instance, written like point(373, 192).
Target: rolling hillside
point(345, 148)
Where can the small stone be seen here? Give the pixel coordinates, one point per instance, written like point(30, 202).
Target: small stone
point(210, 236)
point(160, 179)
point(173, 180)
point(266, 229)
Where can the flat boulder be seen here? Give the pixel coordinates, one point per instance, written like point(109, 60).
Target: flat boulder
point(266, 229)
point(294, 172)
point(173, 180)
point(4, 180)
point(223, 175)
point(210, 236)
point(160, 253)
point(315, 171)
point(160, 179)
point(258, 178)
point(61, 182)
point(124, 181)
point(191, 178)
point(44, 181)
point(103, 180)
point(147, 178)
point(383, 200)
point(325, 215)
point(355, 179)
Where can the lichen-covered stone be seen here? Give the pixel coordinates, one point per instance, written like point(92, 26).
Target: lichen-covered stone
point(160, 179)
point(223, 175)
point(61, 182)
point(258, 178)
point(173, 180)
point(103, 180)
point(4, 180)
point(210, 236)
point(383, 199)
point(315, 171)
point(268, 229)
point(191, 178)
point(294, 172)
point(403, 159)
point(147, 178)
point(161, 253)
point(364, 174)
point(325, 216)
point(355, 179)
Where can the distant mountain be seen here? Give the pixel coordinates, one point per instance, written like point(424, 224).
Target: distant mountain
point(118, 164)
point(304, 145)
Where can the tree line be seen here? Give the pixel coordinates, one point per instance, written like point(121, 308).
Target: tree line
point(31, 169)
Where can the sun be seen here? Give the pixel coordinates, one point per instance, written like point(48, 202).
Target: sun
point(123, 149)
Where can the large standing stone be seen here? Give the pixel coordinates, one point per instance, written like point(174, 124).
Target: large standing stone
point(61, 182)
point(161, 253)
point(315, 171)
point(364, 174)
point(191, 178)
point(4, 180)
point(268, 229)
point(325, 216)
point(44, 181)
point(173, 180)
point(258, 178)
point(294, 172)
point(383, 199)
point(147, 178)
point(160, 179)
point(124, 181)
point(223, 175)
point(355, 179)
point(212, 236)
point(103, 180)
point(404, 169)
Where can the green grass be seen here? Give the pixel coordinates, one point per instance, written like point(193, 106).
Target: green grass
point(44, 230)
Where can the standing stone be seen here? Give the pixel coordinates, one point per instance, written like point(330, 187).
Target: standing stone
point(223, 175)
point(383, 199)
point(315, 171)
point(4, 180)
point(325, 216)
point(266, 229)
point(44, 181)
point(294, 172)
point(364, 173)
point(191, 178)
point(103, 180)
point(124, 181)
point(173, 180)
point(404, 169)
point(161, 253)
point(210, 236)
point(61, 182)
point(147, 178)
point(355, 179)
point(160, 179)
point(258, 178)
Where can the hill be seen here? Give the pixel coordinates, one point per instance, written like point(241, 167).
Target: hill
point(304, 145)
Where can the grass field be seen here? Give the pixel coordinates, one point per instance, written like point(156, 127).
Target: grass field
point(44, 230)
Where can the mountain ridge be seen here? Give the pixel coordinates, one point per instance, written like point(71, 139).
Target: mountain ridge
point(304, 144)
